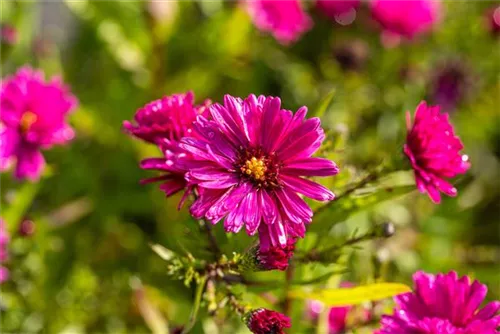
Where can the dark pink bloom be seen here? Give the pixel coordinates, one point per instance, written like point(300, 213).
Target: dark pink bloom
point(170, 117)
point(251, 159)
point(33, 117)
point(264, 321)
point(4, 274)
point(493, 20)
point(337, 319)
point(164, 122)
point(443, 304)
point(284, 19)
point(406, 18)
point(27, 228)
point(333, 8)
point(434, 151)
point(8, 34)
point(275, 257)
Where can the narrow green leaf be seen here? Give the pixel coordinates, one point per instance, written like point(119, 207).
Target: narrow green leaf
point(343, 207)
point(21, 203)
point(324, 104)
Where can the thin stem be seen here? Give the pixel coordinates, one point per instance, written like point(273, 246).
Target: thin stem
point(287, 303)
point(360, 184)
point(211, 239)
point(197, 300)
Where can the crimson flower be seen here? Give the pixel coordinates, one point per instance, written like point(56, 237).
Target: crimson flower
point(264, 321)
point(434, 151)
point(164, 122)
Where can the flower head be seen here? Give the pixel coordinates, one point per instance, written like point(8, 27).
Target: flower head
point(493, 20)
point(264, 321)
point(333, 8)
point(165, 122)
point(284, 19)
point(8, 34)
point(443, 304)
point(170, 118)
point(250, 161)
point(434, 151)
point(32, 117)
point(407, 18)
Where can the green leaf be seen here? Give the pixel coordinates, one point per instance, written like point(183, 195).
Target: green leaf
point(353, 296)
point(324, 104)
point(356, 201)
point(21, 203)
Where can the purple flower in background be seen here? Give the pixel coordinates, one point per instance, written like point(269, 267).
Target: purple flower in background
point(264, 321)
point(434, 151)
point(8, 34)
point(451, 85)
point(252, 157)
point(334, 8)
point(284, 19)
point(443, 304)
point(164, 122)
point(33, 117)
point(4, 241)
point(406, 18)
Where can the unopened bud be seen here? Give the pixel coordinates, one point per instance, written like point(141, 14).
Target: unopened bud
point(27, 228)
point(387, 229)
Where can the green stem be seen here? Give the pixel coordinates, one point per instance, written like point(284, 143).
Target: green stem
point(196, 306)
point(21, 203)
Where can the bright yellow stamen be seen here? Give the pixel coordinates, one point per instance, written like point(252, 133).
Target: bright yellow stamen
point(255, 168)
point(27, 121)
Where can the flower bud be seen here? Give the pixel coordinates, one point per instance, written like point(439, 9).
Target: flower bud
point(387, 230)
point(27, 228)
point(264, 321)
point(271, 259)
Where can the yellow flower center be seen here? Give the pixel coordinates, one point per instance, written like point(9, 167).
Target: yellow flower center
point(27, 121)
point(255, 168)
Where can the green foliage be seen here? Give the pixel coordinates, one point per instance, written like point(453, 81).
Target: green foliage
point(88, 268)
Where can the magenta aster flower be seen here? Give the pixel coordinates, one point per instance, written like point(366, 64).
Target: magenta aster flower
point(443, 304)
point(434, 151)
point(32, 115)
point(407, 18)
point(164, 122)
point(284, 19)
point(251, 159)
point(264, 321)
point(333, 8)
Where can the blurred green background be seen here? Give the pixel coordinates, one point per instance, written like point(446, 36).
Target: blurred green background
point(88, 267)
